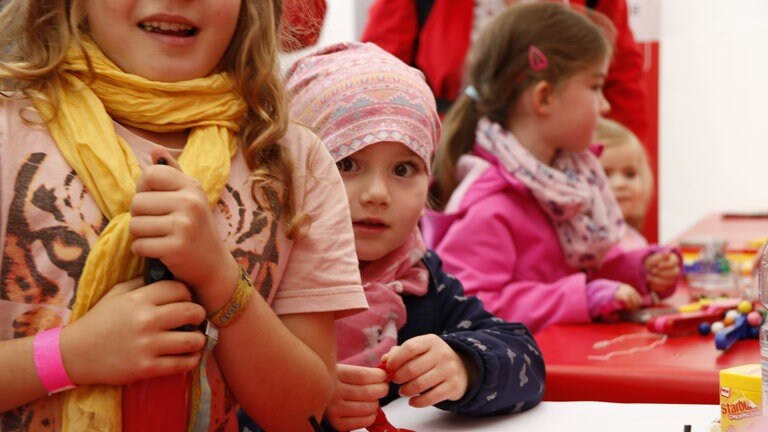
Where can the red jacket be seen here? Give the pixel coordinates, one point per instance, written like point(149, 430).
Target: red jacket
point(393, 25)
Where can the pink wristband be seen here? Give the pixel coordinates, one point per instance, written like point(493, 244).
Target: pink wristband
point(48, 361)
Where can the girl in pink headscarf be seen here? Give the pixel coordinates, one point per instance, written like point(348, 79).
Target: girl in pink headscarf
point(377, 117)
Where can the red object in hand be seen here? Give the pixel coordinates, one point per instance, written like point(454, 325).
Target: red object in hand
point(381, 424)
point(157, 405)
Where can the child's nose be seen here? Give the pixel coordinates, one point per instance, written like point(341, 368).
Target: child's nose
point(617, 182)
point(376, 191)
point(605, 106)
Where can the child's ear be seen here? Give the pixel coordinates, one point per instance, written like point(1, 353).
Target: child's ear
point(542, 93)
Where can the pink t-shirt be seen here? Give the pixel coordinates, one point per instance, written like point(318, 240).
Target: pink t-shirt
point(48, 223)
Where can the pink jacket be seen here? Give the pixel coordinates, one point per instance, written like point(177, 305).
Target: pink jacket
point(495, 238)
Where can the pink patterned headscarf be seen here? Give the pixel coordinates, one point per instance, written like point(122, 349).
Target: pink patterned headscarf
point(354, 95)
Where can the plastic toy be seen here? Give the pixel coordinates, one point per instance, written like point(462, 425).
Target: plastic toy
point(725, 338)
point(683, 323)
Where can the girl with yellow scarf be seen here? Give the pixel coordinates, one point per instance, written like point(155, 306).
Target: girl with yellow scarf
point(94, 94)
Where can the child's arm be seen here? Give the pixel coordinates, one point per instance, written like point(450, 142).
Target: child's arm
point(279, 369)
point(648, 269)
point(481, 252)
point(18, 373)
point(503, 356)
point(127, 336)
point(172, 221)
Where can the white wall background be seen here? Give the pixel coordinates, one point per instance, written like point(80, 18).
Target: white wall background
point(713, 147)
point(713, 143)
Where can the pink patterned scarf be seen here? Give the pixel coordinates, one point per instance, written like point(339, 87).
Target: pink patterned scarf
point(363, 338)
point(573, 192)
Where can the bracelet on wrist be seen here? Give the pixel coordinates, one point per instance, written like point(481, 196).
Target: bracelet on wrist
point(236, 304)
point(49, 364)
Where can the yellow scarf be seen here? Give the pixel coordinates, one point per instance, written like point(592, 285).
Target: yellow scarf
point(85, 134)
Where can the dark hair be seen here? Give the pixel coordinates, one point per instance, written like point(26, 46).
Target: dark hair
point(498, 69)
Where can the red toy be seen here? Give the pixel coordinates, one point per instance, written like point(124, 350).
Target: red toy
point(683, 323)
point(381, 424)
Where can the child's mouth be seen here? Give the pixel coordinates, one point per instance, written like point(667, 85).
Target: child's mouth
point(370, 224)
point(170, 29)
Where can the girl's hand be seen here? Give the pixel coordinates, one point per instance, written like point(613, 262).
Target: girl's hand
point(428, 370)
point(356, 397)
point(128, 336)
point(629, 297)
point(172, 221)
point(662, 271)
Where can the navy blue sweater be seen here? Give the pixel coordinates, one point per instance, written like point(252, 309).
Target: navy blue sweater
point(509, 364)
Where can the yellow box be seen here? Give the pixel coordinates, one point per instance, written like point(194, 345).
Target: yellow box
point(740, 397)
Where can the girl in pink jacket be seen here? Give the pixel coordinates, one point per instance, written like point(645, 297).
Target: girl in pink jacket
point(528, 222)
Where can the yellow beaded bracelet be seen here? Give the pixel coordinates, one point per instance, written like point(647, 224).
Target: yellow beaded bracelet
point(236, 304)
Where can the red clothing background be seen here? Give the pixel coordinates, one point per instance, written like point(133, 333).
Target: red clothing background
point(440, 48)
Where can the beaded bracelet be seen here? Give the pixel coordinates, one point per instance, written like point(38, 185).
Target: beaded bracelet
point(48, 362)
point(236, 304)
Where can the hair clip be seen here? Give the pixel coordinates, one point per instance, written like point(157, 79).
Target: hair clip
point(537, 59)
point(471, 91)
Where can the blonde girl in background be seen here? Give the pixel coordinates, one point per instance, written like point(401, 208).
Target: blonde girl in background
point(249, 214)
point(378, 119)
point(629, 174)
point(527, 220)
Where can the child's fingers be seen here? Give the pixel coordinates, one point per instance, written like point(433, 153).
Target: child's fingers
point(672, 263)
point(652, 260)
point(352, 409)
point(363, 392)
point(629, 297)
point(432, 396)
point(156, 203)
point(413, 369)
point(667, 273)
point(174, 315)
point(161, 156)
point(168, 365)
point(149, 226)
point(179, 342)
point(350, 423)
point(161, 178)
point(421, 382)
point(125, 287)
point(360, 375)
point(164, 292)
point(402, 354)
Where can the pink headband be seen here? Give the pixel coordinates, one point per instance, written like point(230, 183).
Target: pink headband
point(356, 94)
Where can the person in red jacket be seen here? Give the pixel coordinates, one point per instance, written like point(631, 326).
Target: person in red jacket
point(435, 35)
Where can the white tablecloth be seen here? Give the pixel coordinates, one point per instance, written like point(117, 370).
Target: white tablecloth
point(564, 416)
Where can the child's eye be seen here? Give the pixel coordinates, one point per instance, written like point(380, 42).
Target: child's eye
point(405, 169)
point(346, 165)
point(630, 174)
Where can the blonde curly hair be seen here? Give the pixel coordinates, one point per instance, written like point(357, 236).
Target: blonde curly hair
point(36, 34)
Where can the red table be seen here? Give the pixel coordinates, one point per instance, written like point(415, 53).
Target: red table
point(683, 369)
